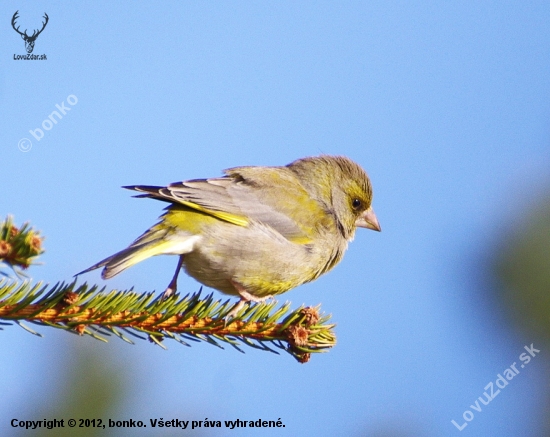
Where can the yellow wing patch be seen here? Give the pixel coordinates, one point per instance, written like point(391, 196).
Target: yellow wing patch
point(225, 216)
point(301, 240)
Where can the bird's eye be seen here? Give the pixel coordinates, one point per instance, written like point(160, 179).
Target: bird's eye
point(356, 204)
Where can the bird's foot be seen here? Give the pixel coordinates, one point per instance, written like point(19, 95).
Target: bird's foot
point(173, 285)
point(234, 311)
point(245, 297)
point(170, 290)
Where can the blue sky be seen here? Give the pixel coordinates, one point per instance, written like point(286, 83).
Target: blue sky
point(445, 104)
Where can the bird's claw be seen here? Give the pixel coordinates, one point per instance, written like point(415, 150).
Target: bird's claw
point(168, 292)
point(234, 311)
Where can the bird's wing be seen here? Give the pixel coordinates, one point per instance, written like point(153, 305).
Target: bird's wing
point(270, 195)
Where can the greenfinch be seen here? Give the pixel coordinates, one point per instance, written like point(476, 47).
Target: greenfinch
point(257, 231)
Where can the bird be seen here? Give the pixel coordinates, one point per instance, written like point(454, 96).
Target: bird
point(257, 231)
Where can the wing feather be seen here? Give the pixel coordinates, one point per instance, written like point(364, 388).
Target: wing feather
point(271, 195)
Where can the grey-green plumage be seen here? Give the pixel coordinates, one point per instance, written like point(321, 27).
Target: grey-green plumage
point(257, 231)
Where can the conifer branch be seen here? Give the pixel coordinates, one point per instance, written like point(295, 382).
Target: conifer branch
point(18, 246)
point(92, 311)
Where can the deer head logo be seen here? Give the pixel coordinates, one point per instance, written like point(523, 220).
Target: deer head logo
point(29, 40)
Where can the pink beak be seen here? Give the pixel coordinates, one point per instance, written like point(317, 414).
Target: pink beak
point(368, 220)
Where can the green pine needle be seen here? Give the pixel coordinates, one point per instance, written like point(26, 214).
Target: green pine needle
point(92, 311)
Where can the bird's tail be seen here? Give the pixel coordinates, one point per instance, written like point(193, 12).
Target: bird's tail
point(120, 261)
point(155, 241)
